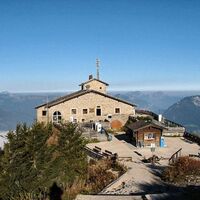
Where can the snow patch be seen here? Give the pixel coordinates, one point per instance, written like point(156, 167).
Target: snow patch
point(196, 101)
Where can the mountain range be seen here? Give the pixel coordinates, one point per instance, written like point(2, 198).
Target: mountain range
point(186, 112)
point(20, 107)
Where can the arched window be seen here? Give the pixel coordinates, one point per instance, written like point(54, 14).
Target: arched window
point(57, 117)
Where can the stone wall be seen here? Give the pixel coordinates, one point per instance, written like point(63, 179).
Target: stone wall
point(174, 131)
point(91, 102)
point(95, 85)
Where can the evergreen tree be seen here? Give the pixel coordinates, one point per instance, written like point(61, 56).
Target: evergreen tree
point(70, 155)
point(29, 166)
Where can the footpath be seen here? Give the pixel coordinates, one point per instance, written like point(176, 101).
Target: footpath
point(142, 180)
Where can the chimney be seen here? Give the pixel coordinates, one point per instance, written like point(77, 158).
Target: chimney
point(160, 118)
point(90, 77)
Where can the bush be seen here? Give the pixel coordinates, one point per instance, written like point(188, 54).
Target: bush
point(92, 140)
point(100, 174)
point(44, 156)
point(184, 167)
point(110, 131)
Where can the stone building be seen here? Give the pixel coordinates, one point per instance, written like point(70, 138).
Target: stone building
point(90, 104)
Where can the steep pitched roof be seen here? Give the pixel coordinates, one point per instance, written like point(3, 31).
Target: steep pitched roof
point(80, 93)
point(143, 124)
point(93, 80)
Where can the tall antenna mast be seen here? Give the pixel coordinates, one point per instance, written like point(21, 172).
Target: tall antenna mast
point(97, 64)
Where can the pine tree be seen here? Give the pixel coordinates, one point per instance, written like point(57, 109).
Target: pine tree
point(29, 166)
point(70, 161)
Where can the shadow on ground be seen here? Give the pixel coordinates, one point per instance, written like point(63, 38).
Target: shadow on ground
point(125, 137)
point(168, 191)
point(156, 169)
point(164, 190)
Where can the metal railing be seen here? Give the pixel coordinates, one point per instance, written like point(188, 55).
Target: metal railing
point(175, 156)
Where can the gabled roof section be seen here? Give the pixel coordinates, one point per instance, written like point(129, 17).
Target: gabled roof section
point(80, 93)
point(136, 126)
point(94, 79)
point(63, 99)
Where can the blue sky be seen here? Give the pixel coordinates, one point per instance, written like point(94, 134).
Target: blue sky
point(51, 45)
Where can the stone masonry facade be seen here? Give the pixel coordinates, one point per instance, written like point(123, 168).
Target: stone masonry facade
point(90, 104)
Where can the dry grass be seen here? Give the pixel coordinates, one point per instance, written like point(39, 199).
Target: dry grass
point(53, 139)
point(100, 174)
point(182, 169)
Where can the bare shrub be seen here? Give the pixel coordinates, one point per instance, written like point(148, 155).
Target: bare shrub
point(100, 174)
point(185, 166)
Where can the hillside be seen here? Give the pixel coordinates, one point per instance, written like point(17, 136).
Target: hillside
point(157, 101)
point(186, 112)
point(17, 108)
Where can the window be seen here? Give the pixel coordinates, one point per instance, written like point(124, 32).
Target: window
point(149, 136)
point(117, 110)
point(44, 113)
point(83, 120)
point(73, 111)
point(100, 88)
point(98, 111)
point(85, 111)
point(57, 117)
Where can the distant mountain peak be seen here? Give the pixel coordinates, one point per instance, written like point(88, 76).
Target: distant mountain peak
point(186, 112)
point(196, 101)
point(4, 92)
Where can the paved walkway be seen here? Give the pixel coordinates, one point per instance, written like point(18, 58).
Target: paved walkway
point(141, 177)
point(97, 197)
point(138, 173)
point(173, 145)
